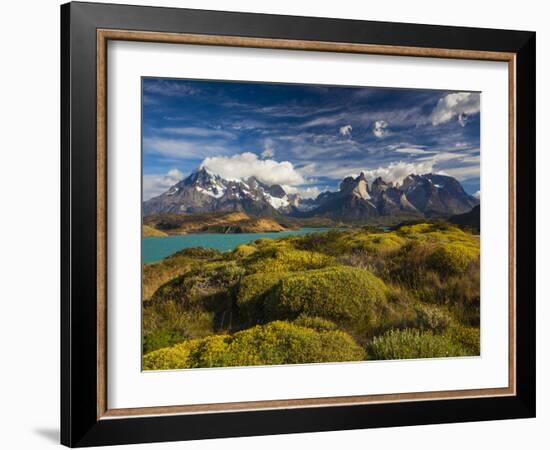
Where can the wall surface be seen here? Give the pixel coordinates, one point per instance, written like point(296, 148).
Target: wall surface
point(29, 237)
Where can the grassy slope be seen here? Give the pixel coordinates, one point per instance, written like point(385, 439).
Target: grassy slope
point(234, 222)
point(152, 232)
point(412, 292)
point(158, 273)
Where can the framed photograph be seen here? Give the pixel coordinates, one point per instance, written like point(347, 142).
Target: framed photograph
point(276, 224)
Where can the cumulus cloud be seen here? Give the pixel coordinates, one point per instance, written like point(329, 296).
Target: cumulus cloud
point(458, 104)
point(380, 128)
point(154, 185)
point(309, 192)
point(304, 191)
point(477, 195)
point(245, 165)
point(398, 171)
point(346, 130)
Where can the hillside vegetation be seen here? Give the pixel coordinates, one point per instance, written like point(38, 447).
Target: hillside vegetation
point(150, 231)
point(347, 295)
point(233, 222)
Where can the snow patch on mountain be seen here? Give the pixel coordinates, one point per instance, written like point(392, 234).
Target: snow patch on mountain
point(214, 191)
point(276, 202)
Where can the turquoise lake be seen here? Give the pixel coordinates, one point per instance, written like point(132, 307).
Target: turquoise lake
point(156, 248)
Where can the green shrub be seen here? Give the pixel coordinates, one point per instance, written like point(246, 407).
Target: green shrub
point(414, 229)
point(332, 242)
point(399, 312)
point(439, 273)
point(251, 294)
point(263, 241)
point(166, 323)
point(160, 339)
point(409, 265)
point(274, 343)
point(377, 243)
point(281, 257)
point(435, 232)
point(317, 323)
point(430, 317)
point(352, 298)
point(169, 358)
point(198, 253)
point(200, 300)
point(462, 295)
point(244, 250)
point(411, 343)
point(453, 259)
point(467, 337)
point(159, 273)
point(203, 281)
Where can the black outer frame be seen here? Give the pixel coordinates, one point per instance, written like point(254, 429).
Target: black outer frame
point(79, 423)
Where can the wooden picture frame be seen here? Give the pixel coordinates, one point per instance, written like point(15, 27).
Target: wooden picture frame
point(86, 418)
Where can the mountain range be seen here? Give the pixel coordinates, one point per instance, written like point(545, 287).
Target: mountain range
point(357, 200)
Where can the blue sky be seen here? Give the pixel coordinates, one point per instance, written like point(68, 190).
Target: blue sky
point(305, 137)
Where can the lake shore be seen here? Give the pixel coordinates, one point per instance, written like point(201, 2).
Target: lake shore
point(156, 248)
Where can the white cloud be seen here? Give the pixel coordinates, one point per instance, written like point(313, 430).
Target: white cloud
point(170, 88)
point(269, 151)
point(305, 192)
point(459, 104)
point(174, 174)
point(412, 150)
point(244, 165)
point(380, 128)
point(154, 185)
point(181, 149)
point(199, 132)
point(463, 119)
point(309, 192)
point(463, 173)
point(397, 171)
point(309, 169)
point(346, 130)
point(294, 110)
point(442, 156)
point(477, 195)
point(323, 120)
point(471, 159)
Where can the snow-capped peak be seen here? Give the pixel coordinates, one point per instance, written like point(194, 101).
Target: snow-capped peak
point(223, 191)
point(207, 183)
